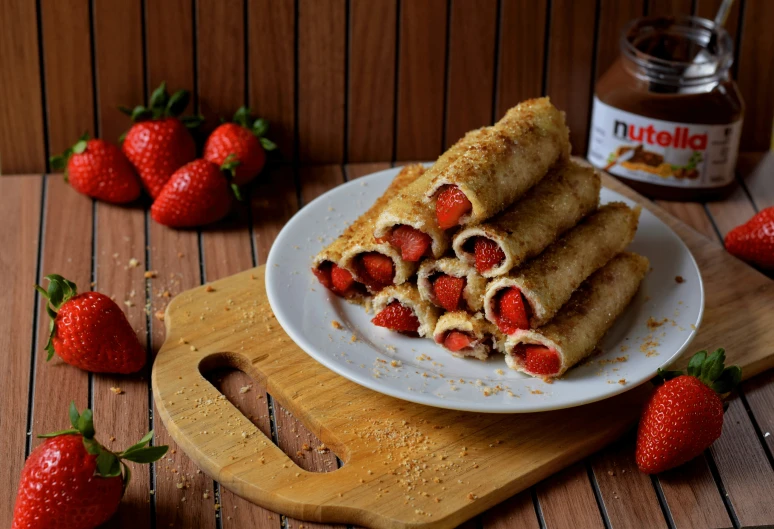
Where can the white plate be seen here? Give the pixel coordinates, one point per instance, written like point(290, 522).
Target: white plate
point(426, 373)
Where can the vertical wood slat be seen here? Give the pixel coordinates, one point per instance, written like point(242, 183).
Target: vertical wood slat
point(20, 202)
point(271, 67)
point(123, 418)
point(169, 42)
point(321, 80)
point(371, 78)
point(570, 60)
point(66, 30)
point(22, 147)
point(522, 54)
point(613, 17)
point(119, 63)
point(567, 500)
point(756, 74)
point(669, 7)
point(472, 34)
point(421, 74)
point(220, 76)
point(517, 511)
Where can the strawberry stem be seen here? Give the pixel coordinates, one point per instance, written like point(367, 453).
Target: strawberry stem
point(60, 291)
point(710, 369)
point(59, 162)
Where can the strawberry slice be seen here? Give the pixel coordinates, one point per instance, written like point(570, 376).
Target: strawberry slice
point(488, 254)
point(456, 341)
point(450, 206)
point(412, 243)
point(378, 268)
point(448, 291)
point(541, 360)
point(397, 317)
point(323, 274)
point(341, 280)
point(512, 311)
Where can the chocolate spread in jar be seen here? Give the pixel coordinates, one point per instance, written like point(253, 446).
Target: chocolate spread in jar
point(667, 118)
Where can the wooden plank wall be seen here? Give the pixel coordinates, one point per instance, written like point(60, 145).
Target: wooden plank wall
point(341, 80)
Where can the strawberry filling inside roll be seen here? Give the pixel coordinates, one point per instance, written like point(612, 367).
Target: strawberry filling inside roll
point(538, 359)
point(457, 341)
point(337, 279)
point(375, 270)
point(512, 311)
point(397, 317)
point(451, 205)
point(488, 253)
point(410, 242)
point(447, 291)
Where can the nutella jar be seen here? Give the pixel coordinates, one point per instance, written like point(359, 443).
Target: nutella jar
point(667, 117)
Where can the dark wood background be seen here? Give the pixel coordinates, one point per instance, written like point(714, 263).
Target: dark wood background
point(341, 80)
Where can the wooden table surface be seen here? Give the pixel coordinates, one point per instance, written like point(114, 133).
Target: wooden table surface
point(50, 228)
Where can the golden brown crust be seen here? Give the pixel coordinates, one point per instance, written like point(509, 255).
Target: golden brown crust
point(482, 331)
point(408, 295)
point(583, 321)
point(548, 281)
point(475, 285)
point(494, 166)
point(552, 207)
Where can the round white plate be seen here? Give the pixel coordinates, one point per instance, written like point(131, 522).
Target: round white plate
point(655, 329)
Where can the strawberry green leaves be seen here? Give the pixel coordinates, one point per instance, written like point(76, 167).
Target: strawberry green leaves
point(60, 290)
point(259, 127)
point(59, 162)
point(162, 105)
point(710, 369)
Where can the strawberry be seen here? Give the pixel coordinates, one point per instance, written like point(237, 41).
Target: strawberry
point(341, 280)
point(539, 359)
point(448, 291)
point(323, 274)
point(684, 415)
point(242, 139)
point(488, 254)
point(397, 317)
point(412, 243)
point(450, 206)
point(198, 193)
point(456, 341)
point(98, 169)
point(513, 311)
point(379, 268)
point(753, 241)
point(89, 331)
point(159, 143)
point(71, 481)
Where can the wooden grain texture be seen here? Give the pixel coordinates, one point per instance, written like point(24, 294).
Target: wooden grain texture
point(66, 30)
point(321, 80)
point(273, 203)
point(692, 213)
point(371, 78)
point(175, 255)
point(472, 34)
point(755, 74)
point(271, 67)
point(20, 201)
point(567, 500)
point(570, 60)
point(169, 37)
point(358, 170)
point(123, 417)
point(755, 171)
point(521, 52)
point(220, 55)
point(21, 114)
point(421, 75)
point(119, 63)
point(669, 7)
point(517, 511)
point(613, 17)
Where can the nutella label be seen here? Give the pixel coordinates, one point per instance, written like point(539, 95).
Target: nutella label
point(662, 152)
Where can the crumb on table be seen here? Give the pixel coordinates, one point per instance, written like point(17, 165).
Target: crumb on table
point(679, 279)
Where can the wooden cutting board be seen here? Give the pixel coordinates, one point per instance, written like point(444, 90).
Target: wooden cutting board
point(405, 465)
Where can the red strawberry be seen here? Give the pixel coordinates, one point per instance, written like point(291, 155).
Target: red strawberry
point(98, 169)
point(71, 481)
point(341, 280)
point(397, 317)
point(379, 268)
point(323, 274)
point(450, 206)
point(540, 360)
point(448, 291)
point(412, 243)
point(684, 415)
point(159, 143)
point(198, 193)
point(512, 311)
point(456, 341)
point(242, 139)
point(488, 254)
point(753, 241)
point(89, 330)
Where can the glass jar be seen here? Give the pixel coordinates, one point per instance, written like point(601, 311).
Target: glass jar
point(667, 117)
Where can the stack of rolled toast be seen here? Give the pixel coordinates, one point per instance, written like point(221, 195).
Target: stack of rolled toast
point(500, 247)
